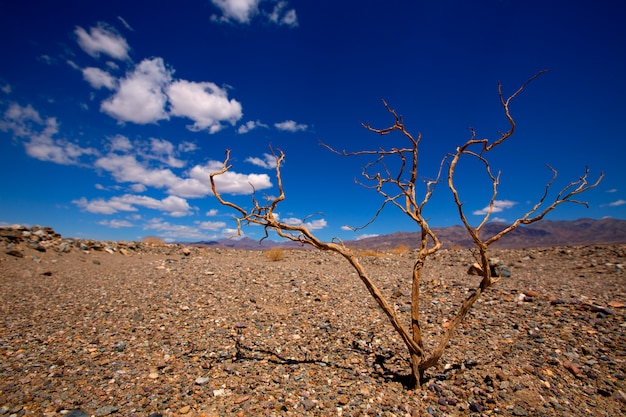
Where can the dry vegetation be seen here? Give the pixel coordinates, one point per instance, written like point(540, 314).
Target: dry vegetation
point(393, 173)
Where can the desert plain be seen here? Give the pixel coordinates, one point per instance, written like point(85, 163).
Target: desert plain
point(136, 329)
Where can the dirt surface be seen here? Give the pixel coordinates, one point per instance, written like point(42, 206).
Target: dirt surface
point(219, 332)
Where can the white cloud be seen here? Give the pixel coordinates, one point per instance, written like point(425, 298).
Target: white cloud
point(204, 103)
point(138, 188)
point(125, 23)
point(366, 236)
point(498, 206)
point(164, 151)
point(140, 97)
point(98, 78)
point(102, 39)
point(120, 143)
point(126, 168)
point(283, 17)
point(211, 213)
point(268, 161)
point(243, 11)
point(250, 125)
point(498, 220)
point(311, 225)
point(214, 226)
point(198, 184)
point(115, 224)
point(172, 205)
point(617, 203)
point(612, 190)
point(6, 89)
point(290, 126)
point(40, 142)
point(187, 146)
point(176, 232)
point(239, 10)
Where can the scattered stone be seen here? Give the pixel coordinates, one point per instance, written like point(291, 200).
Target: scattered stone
point(184, 410)
point(575, 370)
point(308, 404)
point(106, 410)
point(77, 413)
point(476, 407)
point(201, 380)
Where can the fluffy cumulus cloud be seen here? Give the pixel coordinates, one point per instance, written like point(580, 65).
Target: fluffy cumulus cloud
point(238, 10)
point(243, 11)
point(198, 184)
point(290, 126)
point(268, 161)
point(134, 162)
point(39, 136)
point(172, 205)
point(140, 97)
point(115, 224)
point(102, 39)
point(126, 168)
point(198, 231)
point(203, 102)
point(312, 225)
point(498, 206)
point(283, 16)
point(250, 125)
point(148, 93)
point(98, 78)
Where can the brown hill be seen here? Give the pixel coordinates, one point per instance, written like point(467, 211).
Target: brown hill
point(542, 234)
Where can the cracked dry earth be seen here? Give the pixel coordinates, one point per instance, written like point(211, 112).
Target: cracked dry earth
point(221, 332)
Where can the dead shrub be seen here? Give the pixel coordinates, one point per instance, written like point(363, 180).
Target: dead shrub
point(275, 254)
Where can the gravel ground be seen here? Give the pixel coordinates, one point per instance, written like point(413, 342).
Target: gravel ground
point(220, 332)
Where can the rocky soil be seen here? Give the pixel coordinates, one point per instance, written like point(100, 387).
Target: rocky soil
point(131, 329)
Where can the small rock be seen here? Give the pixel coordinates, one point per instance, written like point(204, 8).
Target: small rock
point(201, 380)
point(77, 413)
point(308, 404)
point(620, 396)
point(16, 253)
point(106, 410)
point(184, 410)
point(242, 399)
point(519, 411)
point(476, 407)
point(153, 375)
point(575, 370)
point(343, 399)
point(600, 309)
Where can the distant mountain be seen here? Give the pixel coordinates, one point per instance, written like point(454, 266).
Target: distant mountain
point(542, 234)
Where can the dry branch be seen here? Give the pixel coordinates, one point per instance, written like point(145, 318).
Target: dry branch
point(399, 188)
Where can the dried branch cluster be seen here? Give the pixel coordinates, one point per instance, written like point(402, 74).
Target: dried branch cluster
point(398, 188)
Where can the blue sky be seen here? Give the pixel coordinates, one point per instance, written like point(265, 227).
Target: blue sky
point(113, 113)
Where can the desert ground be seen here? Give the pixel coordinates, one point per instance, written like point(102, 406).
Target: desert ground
point(132, 329)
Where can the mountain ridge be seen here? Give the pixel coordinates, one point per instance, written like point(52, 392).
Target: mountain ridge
point(583, 231)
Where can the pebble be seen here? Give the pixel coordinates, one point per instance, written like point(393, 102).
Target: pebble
point(201, 380)
point(106, 410)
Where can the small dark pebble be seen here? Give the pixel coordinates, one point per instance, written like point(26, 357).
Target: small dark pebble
point(519, 411)
point(77, 413)
point(476, 407)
